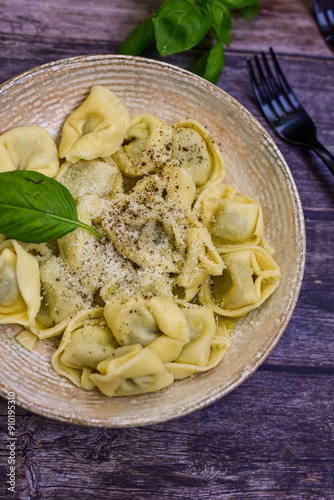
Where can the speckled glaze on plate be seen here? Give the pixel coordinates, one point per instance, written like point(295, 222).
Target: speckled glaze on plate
point(45, 96)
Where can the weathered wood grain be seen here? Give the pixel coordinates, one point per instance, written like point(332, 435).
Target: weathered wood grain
point(289, 25)
point(235, 447)
point(35, 32)
point(271, 438)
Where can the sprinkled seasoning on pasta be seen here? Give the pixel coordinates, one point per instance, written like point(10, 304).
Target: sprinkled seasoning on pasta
point(180, 253)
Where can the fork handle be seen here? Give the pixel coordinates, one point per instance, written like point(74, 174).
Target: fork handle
point(324, 154)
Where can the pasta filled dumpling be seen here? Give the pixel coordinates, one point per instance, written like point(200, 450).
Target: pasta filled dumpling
point(94, 262)
point(209, 342)
point(173, 183)
point(28, 148)
point(146, 148)
point(89, 345)
point(202, 260)
point(92, 177)
point(131, 370)
point(149, 321)
point(232, 219)
point(198, 154)
point(89, 356)
point(131, 320)
point(63, 294)
point(19, 285)
point(96, 129)
point(249, 278)
point(86, 342)
point(148, 230)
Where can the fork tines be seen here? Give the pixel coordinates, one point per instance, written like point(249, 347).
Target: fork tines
point(281, 107)
point(271, 89)
point(324, 13)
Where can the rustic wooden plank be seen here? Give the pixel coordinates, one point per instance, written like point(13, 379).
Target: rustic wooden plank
point(229, 448)
point(26, 53)
point(290, 26)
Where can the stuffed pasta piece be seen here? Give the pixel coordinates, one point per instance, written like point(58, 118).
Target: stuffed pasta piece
point(208, 343)
point(172, 183)
point(96, 129)
point(185, 337)
point(89, 356)
point(92, 261)
point(28, 148)
point(232, 219)
point(91, 177)
point(63, 294)
point(249, 278)
point(131, 370)
point(146, 148)
point(19, 285)
point(86, 342)
point(148, 230)
point(202, 260)
point(150, 321)
point(198, 154)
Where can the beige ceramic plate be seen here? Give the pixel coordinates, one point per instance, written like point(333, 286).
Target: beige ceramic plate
point(45, 96)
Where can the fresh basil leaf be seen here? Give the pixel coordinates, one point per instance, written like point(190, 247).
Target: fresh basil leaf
point(35, 208)
point(179, 25)
point(224, 33)
point(211, 64)
point(239, 4)
point(251, 11)
point(221, 20)
point(138, 40)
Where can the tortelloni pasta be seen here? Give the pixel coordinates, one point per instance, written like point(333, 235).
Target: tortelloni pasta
point(91, 177)
point(19, 285)
point(86, 342)
point(250, 276)
point(232, 219)
point(172, 182)
point(199, 155)
point(181, 257)
point(28, 148)
point(149, 321)
point(95, 129)
point(147, 146)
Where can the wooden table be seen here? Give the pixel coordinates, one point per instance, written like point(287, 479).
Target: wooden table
point(272, 437)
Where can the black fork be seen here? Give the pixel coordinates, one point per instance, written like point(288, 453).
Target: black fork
point(282, 109)
point(324, 13)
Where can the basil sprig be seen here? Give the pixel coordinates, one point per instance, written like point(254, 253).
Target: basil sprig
point(35, 208)
point(180, 25)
